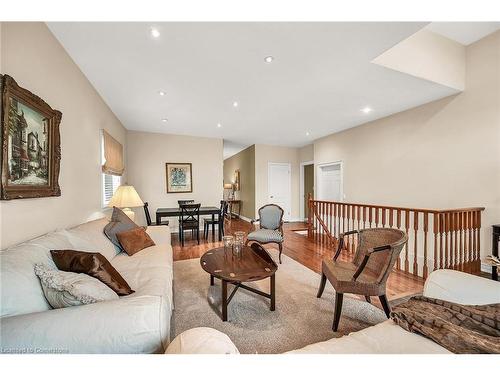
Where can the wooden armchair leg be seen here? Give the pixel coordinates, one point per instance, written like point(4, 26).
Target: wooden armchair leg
point(321, 286)
point(280, 245)
point(339, 297)
point(385, 305)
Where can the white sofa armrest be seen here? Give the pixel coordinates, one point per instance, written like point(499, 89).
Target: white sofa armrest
point(127, 325)
point(460, 287)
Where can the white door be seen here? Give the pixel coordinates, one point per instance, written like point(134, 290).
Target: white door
point(330, 182)
point(280, 187)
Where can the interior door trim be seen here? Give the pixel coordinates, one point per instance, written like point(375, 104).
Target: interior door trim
point(318, 191)
point(289, 165)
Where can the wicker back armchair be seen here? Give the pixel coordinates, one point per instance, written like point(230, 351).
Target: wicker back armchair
point(377, 251)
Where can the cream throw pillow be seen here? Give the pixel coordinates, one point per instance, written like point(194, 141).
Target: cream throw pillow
point(64, 289)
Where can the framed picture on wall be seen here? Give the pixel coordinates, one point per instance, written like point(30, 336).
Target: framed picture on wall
point(179, 178)
point(31, 150)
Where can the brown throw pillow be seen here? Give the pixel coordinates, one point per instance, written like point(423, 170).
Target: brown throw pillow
point(134, 240)
point(119, 222)
point(92, 264)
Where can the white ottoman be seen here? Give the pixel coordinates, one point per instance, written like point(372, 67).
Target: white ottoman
point(202, 340)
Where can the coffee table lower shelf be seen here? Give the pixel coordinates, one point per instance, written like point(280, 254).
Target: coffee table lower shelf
point(226, 299)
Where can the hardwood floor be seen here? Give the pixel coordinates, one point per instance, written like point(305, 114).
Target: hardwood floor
point(300, 248)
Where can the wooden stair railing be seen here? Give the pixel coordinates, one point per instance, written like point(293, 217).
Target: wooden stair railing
point(454, 241)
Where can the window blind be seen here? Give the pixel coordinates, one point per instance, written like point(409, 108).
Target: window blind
point(113, 155)
point(110, 184)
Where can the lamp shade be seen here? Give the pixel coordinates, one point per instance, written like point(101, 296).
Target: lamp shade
point(228, 186)
point(126, 196)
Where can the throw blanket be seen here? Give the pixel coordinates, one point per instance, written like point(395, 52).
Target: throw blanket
point(458, 328)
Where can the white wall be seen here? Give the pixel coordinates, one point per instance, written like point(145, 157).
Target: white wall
point(35, 59)
point(444, 154)
point(306, 153)
point(430, 56)
point(147, 154)
point(276, 154)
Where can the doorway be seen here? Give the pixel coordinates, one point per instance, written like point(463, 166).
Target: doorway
point(306, 187)
point(280, 187)
point(329, 181)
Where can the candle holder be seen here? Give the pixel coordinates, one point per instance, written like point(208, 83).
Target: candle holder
point(239, 242)
point(228, 242)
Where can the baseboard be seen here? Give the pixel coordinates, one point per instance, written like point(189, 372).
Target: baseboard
point(245, 218)
point(486, 268)
point(292, 220)
point(297, 220)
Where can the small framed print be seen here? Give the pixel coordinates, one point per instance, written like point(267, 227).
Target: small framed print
point(179, 177)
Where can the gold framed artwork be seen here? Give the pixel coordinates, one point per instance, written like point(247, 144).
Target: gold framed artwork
point(31, 150)
point(179, 177)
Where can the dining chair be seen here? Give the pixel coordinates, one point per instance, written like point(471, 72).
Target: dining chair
point(270, 227)
point(184, 201)
point(189, 219)
point(148, 216)
point(219, 221)
point(376, 252)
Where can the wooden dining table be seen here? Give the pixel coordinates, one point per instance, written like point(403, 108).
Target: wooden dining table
point(176, 211)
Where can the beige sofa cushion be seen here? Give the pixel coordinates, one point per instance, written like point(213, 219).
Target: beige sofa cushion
point(21, 292)
point(90, 237)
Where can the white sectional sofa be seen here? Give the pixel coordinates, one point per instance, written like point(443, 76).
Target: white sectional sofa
point(383, 338)
point(138, 323)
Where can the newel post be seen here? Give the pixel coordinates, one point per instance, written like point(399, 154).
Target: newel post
point(309, 216)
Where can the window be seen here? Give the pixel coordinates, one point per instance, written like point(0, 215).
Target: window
point(110, 182)
point(109, 185)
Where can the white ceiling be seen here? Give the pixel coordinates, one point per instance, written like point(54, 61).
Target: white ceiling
point(464, 32)
point(231, 148)
point(320, 79)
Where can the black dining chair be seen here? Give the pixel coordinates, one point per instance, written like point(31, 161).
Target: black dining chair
point(184, 201)
point(148, 216)
point(219, 221)
point(189, 219)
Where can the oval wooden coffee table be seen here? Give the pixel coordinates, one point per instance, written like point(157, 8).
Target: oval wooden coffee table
point(254, 263)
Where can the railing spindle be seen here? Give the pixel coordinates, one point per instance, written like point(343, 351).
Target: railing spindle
point(425, 270)
point(415, 247)
point(407, 228)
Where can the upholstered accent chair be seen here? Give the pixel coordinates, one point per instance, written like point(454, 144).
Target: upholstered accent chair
point(377, 251)
point(270, 226)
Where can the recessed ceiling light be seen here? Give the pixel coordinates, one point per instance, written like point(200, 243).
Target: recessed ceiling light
point(219, 125)
point(164, 120)
point(268, 59)
point(235, 104)
point(155, 33)
point(161, 93)
point(366, 110)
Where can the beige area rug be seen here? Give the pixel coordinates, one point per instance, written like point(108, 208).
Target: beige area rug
point(300, 318)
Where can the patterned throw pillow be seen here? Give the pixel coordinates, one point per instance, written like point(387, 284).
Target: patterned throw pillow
point(64, 289)
point(119, 222)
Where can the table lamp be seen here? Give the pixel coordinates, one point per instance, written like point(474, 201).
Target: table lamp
point(231, 193)
point(125, 197)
